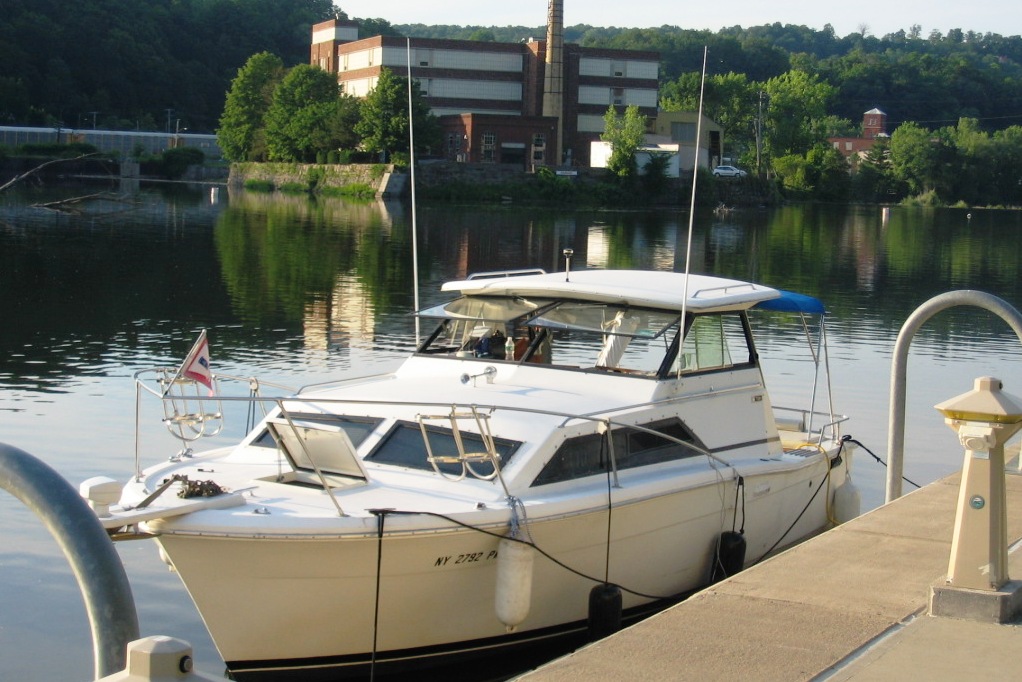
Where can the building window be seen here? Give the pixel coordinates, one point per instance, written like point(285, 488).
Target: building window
point(683, 132)
point(617, 95)
point(539, 140)
point(489, 146)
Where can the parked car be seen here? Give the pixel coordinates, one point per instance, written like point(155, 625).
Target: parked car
point(728, 172)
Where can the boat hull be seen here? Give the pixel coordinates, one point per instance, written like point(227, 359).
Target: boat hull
point(330, 606)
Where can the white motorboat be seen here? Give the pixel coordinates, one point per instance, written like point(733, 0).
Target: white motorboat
point(553, 458)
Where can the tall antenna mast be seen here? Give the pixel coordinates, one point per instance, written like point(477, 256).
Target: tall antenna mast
point(692, 209)
point(411, 163)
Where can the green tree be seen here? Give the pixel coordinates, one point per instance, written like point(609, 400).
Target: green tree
point(798, 104)
point(654, 174)
point(338, 131)
point(297, 121)
point(1007, 161)
point(975, 181)
point(832, 181)
point(625, 134)
point(915, 157)
point(240, 134)
point(874, 180)
point(383, 125)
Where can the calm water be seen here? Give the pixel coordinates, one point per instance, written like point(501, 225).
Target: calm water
point(299, 291)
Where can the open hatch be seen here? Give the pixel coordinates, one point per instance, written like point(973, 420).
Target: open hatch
point(318, 450)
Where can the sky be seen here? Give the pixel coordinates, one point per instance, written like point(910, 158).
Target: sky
point(981, 16)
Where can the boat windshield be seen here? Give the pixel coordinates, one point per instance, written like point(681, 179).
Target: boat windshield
point(608, 319)
point(587, 335)
point(484, 309)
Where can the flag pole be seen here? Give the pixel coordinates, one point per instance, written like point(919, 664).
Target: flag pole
point(189, 360)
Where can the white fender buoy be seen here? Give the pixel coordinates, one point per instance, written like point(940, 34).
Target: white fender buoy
point(847, 501)
point(513, 595)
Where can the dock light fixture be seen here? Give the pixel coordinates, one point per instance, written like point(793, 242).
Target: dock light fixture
point(985, 418)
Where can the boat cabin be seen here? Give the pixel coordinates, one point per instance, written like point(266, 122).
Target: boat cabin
point(631, 331)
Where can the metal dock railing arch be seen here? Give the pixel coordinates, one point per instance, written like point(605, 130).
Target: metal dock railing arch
point(899, 367)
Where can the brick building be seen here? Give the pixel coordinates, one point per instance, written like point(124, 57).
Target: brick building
point(490, 96)
point(874, 125)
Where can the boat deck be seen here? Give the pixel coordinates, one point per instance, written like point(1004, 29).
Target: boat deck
point(850, 604)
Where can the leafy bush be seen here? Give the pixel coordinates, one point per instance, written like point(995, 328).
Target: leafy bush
point(53, 149)
point(293, 188)
point(357, 190)
point(259, 185)
point(175, 162)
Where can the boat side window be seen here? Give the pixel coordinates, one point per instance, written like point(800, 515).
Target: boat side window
point(589, 454)
point(715, 341)
point(404, 446)
point(357, 428)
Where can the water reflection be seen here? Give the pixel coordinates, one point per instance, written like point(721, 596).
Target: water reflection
point(297, 290)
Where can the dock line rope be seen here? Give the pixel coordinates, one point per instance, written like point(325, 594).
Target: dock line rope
point(381, 517)
point(517, 506)
point(874, 456)
point(532, 544)
point(610, 505)
point(739, 489)
point(825, 479)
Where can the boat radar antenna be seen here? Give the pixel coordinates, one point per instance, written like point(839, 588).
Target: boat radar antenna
point(568, 253)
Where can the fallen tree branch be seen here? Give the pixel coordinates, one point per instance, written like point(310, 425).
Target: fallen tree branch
point(18, 178)
point(73, 204)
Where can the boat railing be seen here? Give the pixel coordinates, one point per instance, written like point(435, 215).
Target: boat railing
point(802, 421)
point(497, 274)
point(721, 290)
point(193, 409)
point(465, 460)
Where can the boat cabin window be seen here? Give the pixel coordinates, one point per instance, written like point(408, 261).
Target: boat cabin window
point(404, 446)
point(589, 454)
point(715, 341)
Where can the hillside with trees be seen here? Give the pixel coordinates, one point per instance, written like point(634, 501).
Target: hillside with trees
point(954, 100)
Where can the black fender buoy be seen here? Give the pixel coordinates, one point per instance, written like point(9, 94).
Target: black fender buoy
point(730, 556)
point(604, 611)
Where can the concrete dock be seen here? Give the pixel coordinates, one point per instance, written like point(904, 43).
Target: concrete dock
point(850, 604)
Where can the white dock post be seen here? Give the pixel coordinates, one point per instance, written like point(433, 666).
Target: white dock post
point(977, 585)
point(159, 659)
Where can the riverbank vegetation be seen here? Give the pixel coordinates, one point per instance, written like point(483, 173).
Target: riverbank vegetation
point(780, 91)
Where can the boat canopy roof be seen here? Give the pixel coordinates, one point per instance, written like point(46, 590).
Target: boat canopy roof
point(790, 302)
point(639, 288)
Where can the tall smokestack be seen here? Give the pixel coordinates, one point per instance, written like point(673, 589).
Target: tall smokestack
point(553, 82)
